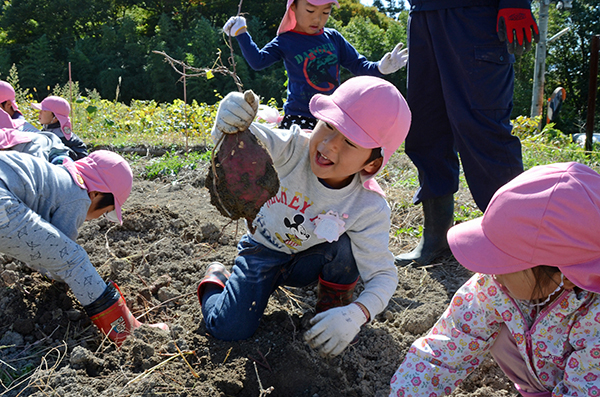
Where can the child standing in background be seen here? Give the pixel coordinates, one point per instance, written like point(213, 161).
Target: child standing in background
point(42, 206)
point(534, 303)
point(312, 55)
point(54, 117)
point(10, 116)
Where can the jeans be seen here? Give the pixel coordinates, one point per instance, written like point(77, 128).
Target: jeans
point(235, 312)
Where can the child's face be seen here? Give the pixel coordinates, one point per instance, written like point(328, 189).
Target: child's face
point(521, 285)
point(7, 107)
point(94, 212)
point(46, 117)
point(310, 18)
point(335, 159)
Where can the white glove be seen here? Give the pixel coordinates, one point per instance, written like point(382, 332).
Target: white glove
point(393, 61)
point(334, 329)
point(235, 113)
point(233, 25)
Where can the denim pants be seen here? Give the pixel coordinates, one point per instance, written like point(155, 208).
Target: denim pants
point(235, 312)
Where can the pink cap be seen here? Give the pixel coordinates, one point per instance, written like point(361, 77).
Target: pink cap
point(369, 111)
point(106, 172)
point(289, 18)
point(61, 109)
point(10, 137)
point(548, 215)
point(7, 93)
point(8, 122)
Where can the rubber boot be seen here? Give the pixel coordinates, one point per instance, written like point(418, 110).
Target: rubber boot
point(439, 217)
point(216, 275)
point(331, 295)
point(112, 316)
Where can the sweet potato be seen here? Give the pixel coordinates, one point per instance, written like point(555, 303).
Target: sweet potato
point(245, 177)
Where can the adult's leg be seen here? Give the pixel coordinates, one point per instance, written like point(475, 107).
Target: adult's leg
point(430, 143)
point(477, 82)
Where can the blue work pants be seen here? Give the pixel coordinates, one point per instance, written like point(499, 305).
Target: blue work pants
point(460, 90)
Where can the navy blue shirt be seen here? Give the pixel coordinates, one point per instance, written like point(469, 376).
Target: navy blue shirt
point(312, 63)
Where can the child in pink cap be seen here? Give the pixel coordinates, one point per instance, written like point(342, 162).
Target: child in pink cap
point(54, 117)
point(534, 302)
point(328, 224)
point(40, 144)
point(42, 206)
point(312, 55)
point(10, 116)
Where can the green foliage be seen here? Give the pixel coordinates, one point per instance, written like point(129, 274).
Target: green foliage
point(171, 163)
point(110, 45)
point(549, 145)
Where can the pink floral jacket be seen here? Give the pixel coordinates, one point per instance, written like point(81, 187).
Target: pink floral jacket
point(562, 345)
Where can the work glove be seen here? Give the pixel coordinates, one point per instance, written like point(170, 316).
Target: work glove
point(517, 22)
point(235, 113)
point(233, 26)
point(334, 329)
point(393, 61)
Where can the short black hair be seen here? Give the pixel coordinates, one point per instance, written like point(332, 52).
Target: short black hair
point(107, 200)
point(375, 154)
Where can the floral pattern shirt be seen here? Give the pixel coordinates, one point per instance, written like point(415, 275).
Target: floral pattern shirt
point(561, 347)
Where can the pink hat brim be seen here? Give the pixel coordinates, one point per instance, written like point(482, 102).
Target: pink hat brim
point(288, 21)
point(473, 250)
point(324, 108)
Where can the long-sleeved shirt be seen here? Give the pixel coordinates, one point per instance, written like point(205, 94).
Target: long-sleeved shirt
point(560, 347)
point(312, 63)
point(288, 222)
point(78, 148)
point(40, 144)
point(47, 189)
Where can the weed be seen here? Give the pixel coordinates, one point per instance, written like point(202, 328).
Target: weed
point(172, 162)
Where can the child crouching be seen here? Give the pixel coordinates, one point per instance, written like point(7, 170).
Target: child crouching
point(534, 303)
point(41, 207)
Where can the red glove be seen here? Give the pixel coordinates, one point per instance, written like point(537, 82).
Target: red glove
point(519, 22)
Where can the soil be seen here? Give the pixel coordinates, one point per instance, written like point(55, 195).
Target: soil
point(171, 232)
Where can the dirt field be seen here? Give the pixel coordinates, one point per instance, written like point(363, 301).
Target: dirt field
point(157, 257)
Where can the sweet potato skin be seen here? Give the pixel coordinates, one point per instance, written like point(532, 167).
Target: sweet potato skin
point(245, 177)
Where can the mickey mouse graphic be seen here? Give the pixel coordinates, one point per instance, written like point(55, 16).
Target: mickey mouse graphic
point(297, 232)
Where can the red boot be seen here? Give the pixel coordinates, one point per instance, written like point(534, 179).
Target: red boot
point(112, 316)
point(216, 274)
point(333, 295)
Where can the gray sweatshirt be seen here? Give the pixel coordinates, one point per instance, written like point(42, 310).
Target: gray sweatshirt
point(47, 189)
point(288, 221)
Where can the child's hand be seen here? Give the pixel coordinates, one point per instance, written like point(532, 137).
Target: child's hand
point(334, 329)
point(234, 26)
point(236, 112)
point(393, 61)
